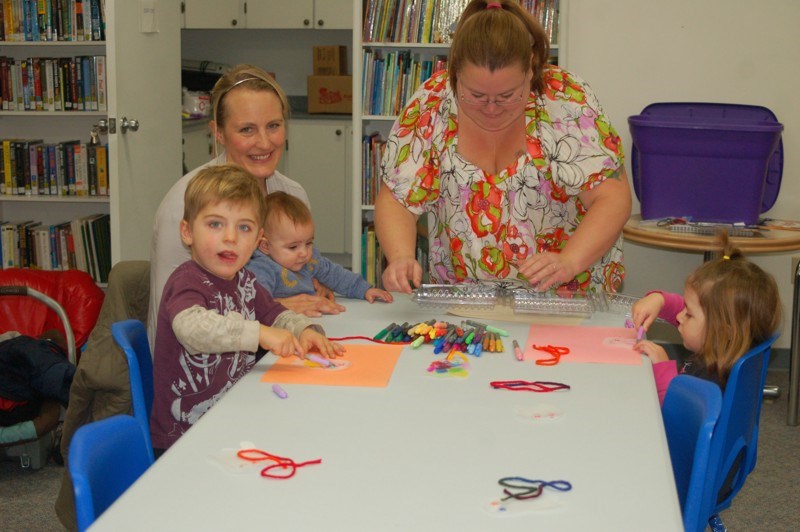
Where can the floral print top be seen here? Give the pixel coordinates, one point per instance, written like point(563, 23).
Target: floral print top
point(480, 224)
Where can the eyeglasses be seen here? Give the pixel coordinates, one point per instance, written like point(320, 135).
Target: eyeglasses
point(503, 100)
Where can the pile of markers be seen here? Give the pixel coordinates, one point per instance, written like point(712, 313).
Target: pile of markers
point(469, 337)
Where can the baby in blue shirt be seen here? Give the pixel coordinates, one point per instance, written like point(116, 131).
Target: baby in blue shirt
point(286, 262)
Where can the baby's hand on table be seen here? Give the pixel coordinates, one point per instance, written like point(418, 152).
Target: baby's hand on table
point(376, 293)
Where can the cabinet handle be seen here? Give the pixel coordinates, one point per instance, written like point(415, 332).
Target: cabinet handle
point(338, 132)
point(234, 22)
point(320, 23)
point(306, 22)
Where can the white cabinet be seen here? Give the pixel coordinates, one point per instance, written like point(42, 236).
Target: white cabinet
point(268, 14)
point(143, 79)
point(318, 157)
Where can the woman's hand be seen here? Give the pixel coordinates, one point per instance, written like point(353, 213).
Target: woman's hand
point(311, 306)
point(313, 340)
point(655, 352)
point(323, 291)
point(280, 341)
point(645, 311)
point(546, 270)
point(399, 272)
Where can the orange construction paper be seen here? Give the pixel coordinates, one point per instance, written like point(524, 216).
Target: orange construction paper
point(587, 345)
point(370, 365)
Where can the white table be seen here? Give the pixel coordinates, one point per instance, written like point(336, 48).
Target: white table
point(422, 454)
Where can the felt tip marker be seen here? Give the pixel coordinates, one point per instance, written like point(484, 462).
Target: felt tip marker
point(640, 334)
point(517, 351)
point(280, 392)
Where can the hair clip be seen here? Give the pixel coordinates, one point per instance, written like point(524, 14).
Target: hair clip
point(494, 5)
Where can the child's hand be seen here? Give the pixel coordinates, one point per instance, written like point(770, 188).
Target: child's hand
point(645, 311)
point(376, 293)
point(655, 352)
point(312, 340)
point(280, 341)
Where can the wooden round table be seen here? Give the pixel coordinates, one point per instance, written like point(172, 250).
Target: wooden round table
point(771, 241)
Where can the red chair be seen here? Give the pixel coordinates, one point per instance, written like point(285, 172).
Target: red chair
point(74, 290)
point(31, 303)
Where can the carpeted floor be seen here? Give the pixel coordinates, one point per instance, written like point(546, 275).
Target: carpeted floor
point(765, 502)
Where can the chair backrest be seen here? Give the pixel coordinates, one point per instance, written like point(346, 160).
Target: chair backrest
point(691, 409)
point(105, 458)
point(74, 290)
point(735, 443)
point(131, 335)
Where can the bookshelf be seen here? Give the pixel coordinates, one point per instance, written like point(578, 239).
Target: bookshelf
point(417, 42)
point(142, 142)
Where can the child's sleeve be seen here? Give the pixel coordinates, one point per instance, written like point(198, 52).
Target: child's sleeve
point(673, 305)
point(338, 279)
point(664, 372)
point(200, 330)
point(295, 323)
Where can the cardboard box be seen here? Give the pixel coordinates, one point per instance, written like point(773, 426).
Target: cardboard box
point(330, 94)
point(330, 60)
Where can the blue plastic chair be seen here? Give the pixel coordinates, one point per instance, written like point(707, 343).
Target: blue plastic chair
point(131, 336)
point(691, 409)
point(105, 458)
point(735, 443)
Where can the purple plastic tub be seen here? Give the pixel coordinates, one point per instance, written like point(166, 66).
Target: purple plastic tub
point(711, 162)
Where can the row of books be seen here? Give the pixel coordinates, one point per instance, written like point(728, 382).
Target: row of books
point(83, 244)
point(546, 12)
point(70, 168)
point(434, 21)
point(52, 20)
point(412, 21)
point(391, 78)
point(53, 84)
point(371, 155)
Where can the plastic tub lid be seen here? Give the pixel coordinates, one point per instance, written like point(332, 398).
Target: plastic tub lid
point(715, 116)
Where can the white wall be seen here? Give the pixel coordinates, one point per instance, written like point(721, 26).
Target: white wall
point(636, 52)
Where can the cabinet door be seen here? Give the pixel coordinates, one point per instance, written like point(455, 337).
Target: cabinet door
point(221, 14)
point(143, 84)
point(280, 14)
point(318, 158)
point(333, 14)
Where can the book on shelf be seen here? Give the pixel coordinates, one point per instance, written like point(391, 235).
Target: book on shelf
point(30, 167)
point(32, 244)
point(52, 20)
point(53, 84)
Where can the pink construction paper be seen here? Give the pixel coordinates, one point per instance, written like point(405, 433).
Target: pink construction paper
point(587, 345)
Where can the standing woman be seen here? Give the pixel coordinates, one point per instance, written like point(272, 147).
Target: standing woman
point(514, 159)
point(249, 114)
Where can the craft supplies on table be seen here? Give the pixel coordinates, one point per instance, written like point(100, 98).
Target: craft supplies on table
point(521, 297)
